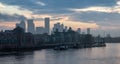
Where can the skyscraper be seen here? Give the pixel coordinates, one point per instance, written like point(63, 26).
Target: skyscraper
point(88, 30)
point(59, 27)
point(66, 29)
point(47, 25)
point(79, 30)
point(22, 24)
point(56, 27)
point(30, 26)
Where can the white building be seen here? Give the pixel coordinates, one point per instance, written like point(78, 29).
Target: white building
point(59, 27)
point(22, 24)
point(31, 26)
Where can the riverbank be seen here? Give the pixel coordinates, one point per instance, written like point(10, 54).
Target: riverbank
point(94, 55)
point(51, 46)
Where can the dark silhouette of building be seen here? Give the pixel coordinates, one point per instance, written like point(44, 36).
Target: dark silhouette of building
point(16, 38)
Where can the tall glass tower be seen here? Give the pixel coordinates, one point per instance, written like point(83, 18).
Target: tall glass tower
point(47, 25)
point(31, 26)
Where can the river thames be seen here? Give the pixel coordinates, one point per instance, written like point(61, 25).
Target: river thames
point(99, 55)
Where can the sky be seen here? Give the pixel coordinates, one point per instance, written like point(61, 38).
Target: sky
point(102, 16)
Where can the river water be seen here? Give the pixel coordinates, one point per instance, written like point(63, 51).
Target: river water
point(99, 55)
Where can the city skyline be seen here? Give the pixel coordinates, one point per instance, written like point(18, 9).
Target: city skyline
point(101, 16)
point(59, 31)
point(29, 26)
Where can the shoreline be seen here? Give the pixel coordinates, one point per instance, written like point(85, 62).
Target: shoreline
point(47, 47)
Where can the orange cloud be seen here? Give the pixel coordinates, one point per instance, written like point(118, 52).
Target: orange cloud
point(72, 24)
point(7, 25)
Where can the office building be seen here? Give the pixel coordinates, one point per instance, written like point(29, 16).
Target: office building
point(22, 24)
point(47, 25)
point(88, 30)
point(59, 27)
point(66, 28)
point(79, 30)
point(31, 26)
point(39, 30)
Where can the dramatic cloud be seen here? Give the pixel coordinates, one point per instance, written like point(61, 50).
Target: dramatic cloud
point(96, 17)
point(13, 13)
point(96, 14)
point(15, 17)
point(11, 10)
point(58, 4)
point(118, 2)
point(115, 9)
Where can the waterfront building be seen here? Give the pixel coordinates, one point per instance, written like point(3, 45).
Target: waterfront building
point(16, 38)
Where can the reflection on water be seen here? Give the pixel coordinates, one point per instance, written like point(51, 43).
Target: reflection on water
point(17, 58)
point(100, 55)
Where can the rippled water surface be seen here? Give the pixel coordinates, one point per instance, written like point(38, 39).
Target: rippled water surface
point(100, 55)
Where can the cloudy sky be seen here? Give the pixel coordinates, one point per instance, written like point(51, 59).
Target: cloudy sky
point(103, 16)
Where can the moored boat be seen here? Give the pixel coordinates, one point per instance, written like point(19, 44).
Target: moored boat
point(61, 47)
